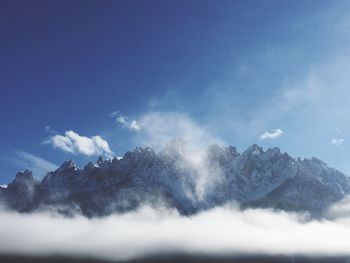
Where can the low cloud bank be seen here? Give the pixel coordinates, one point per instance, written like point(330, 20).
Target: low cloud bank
point(147, 231)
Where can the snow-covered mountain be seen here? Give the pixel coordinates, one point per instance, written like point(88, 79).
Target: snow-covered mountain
point(185, 179)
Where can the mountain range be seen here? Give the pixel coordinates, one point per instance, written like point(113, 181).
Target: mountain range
point(178, 177)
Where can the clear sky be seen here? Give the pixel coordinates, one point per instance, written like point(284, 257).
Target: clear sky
point(79, 79)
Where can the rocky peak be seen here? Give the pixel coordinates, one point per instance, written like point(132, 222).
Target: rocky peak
point(24, 177)
point(273, 151)
point(144, 151)
point(68, 166)
point(233, 151)
point(254, 149)
point(222, 155)
point(274, 155)
point(100, 161)
point(23, 182)
point(90, 166)
point(251, 153)
point(139, 153)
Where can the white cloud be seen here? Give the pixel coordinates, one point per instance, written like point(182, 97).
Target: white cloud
point(122, 120)
point(337, 142)
point(159, 128)
point(72, 142)
point(221, 231)
point(125, 122)
point(271, 134)
point(36, 164)
point(134, 125)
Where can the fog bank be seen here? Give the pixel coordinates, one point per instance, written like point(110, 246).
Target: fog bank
point(148, 231)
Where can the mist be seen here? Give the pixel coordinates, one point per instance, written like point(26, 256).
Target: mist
point(224, 231)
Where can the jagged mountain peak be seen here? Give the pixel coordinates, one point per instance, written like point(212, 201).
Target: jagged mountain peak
point(139, 153)
point(24, 176)
point(103, 163)
point(233, 150)
point(89, 166)
point(254, 149)
point(69, 165)
point(255, 177)
point(273, 151)
point(100, 161)
point(222, 154)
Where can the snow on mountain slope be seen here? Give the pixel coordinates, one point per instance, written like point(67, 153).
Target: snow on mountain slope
point(313, 188)
point(182, 178)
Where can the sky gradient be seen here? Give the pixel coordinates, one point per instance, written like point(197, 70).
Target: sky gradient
point(79, 79)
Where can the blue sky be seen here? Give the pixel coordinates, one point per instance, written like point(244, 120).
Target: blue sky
point(84, 78)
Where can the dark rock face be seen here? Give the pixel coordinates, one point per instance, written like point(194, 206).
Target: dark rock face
point(178, 178)
point(20, 194)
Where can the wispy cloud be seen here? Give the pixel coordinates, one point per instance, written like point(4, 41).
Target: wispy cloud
point(39, 166)
point(125, 121)
point(134, 125)
point(74, 143)
point(178, 132)
point(337, 142)
point(271, 134)
point(49, 130)
point(160, 127)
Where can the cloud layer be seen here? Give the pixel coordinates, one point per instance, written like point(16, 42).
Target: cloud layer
point(72, 142)
point(221, 231)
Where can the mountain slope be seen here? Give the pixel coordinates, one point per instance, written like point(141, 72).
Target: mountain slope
point(187, 180)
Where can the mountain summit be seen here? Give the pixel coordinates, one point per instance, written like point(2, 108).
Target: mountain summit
point(186, 180)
